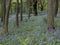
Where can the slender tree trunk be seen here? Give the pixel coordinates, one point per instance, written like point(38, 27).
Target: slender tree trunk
point(17, 13)
point(6, 18)
point(51, 14)
point(21, 10)
point(3, 11)
point(35, 7)
point(29, 8)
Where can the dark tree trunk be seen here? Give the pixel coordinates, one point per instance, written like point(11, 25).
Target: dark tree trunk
point(35, 7)
point(21, 10)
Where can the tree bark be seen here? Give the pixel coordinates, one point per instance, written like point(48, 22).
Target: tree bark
point(51, 14)
point(3, 11)
point(35, 7)
point(17, 13)
point(21, 10)
point(6, 18)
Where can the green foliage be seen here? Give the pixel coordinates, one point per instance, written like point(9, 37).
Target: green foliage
point(58, 44)
point(24, 41)
point(1, 44)
point(45, 20)
point(19, 0)
point(31, 32)
point(57, 23)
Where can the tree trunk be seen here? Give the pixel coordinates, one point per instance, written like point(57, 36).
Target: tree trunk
point(51, 14)
point(17, 13)
point(35, 7)
point(3, 11)
point(6, 18)
point(21, 10)
point(29, 8)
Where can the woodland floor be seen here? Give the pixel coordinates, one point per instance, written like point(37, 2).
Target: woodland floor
point(31, 31)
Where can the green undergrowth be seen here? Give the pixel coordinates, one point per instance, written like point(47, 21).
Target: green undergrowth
point(31, 31)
